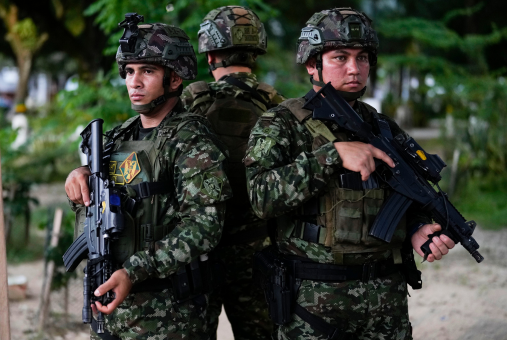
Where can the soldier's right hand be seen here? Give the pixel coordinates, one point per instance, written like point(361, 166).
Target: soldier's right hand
point(76, 186)
point(358, 157)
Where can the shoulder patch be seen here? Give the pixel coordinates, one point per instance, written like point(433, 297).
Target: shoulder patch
point(212, 186)
point(262, 147)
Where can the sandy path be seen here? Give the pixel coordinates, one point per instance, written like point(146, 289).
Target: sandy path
point(460, 299)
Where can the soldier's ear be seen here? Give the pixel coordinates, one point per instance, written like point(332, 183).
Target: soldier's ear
point(311, 66)
point(211, 58)
point(175, 81)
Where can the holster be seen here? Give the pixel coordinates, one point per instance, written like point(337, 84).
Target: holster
point(408, 268)
point(280, 289)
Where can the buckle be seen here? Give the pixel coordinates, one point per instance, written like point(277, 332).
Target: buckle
point(144, 190)
point(369, 272)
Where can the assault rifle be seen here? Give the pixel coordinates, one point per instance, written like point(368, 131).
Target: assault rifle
point(103, 225)
point(410, 178)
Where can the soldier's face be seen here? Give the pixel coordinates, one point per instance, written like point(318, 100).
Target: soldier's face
point(144, 82)
point(347, 69)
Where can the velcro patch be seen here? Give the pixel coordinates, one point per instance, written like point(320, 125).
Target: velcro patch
point(263, 146)
point(212, 186)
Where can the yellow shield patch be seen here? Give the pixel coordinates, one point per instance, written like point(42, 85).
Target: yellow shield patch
point(130, 167)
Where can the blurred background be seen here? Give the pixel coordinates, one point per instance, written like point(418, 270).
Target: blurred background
point(441, 74)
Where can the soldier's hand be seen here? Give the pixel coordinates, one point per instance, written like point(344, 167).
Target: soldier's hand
point(358, 157)
point(439, 246)
point(120, 284)
point(76, 186)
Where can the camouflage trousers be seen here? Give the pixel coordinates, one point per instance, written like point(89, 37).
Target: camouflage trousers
point(156, 316)
point(243, 300)
point(376, 309)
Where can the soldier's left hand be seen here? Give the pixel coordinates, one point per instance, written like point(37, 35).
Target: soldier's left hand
point(120, 284)
point(439, 246)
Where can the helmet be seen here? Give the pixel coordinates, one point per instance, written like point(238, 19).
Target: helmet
point(334, 28)
point(159, 44)
point(337, 27)
point(233, 28)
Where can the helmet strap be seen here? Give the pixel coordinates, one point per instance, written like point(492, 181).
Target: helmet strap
point(318, 65)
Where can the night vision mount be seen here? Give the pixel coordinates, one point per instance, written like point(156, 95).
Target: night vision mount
point(129, 37)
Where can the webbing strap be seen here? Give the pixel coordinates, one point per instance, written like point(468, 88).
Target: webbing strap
point(238, 83)
point(106, 335)
point(321, 325)
point(337, 273)
point(148, 189)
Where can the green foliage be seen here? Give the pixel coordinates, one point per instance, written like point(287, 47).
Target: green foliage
point(484, 200)
point(474, 97)
point(27, 31)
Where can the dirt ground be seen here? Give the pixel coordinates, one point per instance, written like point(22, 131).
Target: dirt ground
point(460, 299)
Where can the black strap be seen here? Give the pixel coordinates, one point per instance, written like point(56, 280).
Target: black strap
point(336, 273)
point(106, 335)
point(148, 189)
point(238, 83)
point(319, 324)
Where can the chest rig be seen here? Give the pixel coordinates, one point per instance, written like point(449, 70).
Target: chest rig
point(135, 166)
point(342, 215)
point(232, 118)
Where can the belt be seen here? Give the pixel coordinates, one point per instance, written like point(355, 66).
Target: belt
point(336, 273)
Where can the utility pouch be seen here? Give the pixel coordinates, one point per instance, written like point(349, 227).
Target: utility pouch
point(273, 275)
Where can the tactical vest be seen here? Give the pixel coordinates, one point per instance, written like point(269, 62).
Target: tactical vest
point(343, 215)
point(232, 118)
point(134, 165)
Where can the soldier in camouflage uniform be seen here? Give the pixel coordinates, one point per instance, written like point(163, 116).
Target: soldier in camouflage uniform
point(346, 284)
point(232, 37)
point(168, 162)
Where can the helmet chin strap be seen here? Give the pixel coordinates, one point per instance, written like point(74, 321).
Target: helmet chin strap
point(148, 108)
point(348, 96)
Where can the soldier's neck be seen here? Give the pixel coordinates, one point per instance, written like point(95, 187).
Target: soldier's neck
point(154, 118)
point(223, 71)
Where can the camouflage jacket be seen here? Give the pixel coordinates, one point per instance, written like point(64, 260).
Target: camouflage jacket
point(200, 105)
point(186, 160)
point(284, 171)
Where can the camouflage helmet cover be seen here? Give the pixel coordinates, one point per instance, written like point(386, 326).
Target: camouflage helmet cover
point(232, 27)
point(334, 28)
point(164, 45)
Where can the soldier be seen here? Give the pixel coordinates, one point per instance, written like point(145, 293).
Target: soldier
point(232, 37)
point(168, 162)
point(345, 284)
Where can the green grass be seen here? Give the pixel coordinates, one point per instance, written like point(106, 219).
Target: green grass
point(485, 201)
